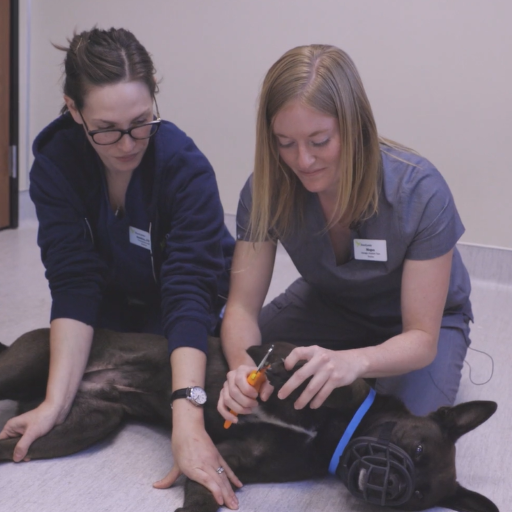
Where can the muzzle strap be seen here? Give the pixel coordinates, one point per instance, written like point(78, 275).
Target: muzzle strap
point(349, 431)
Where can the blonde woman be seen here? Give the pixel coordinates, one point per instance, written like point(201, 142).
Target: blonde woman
point(370, 225)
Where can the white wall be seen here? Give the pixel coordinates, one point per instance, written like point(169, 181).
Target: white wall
point(438, 74)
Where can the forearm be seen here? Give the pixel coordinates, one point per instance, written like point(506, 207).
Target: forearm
point(424, 290)
point(250, 279)
point(332, 369)
point(188, 369)
point(239, 332)
point(401, 354)
point(194, 453)
point(70, 345)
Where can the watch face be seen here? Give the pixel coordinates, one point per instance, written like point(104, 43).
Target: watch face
point(197, 395)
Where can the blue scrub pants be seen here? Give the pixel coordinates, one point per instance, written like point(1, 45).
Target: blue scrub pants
point(302, 316)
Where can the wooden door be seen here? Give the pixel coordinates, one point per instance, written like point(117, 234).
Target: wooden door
point(5, 22)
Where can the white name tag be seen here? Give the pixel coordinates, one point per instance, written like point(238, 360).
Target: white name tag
point(140, 238)
point(370, 250)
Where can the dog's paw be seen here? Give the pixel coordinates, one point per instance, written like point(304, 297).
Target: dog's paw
point(198, 499)
point(277, 374)
point(197, 508)
point(7, 448)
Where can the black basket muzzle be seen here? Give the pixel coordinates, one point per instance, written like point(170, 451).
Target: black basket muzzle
point(377, 471)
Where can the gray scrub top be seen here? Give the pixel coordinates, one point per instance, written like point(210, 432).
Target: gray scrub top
point(416, 218)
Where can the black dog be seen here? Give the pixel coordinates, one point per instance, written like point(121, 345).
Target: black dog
point(394, 458)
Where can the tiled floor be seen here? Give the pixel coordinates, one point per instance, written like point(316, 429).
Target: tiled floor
point(116, 475)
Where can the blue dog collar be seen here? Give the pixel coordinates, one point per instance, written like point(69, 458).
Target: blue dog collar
point(345, 438)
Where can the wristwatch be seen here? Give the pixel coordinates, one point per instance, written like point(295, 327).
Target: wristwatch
point(196, 395)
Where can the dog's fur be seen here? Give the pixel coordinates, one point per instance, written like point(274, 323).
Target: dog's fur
point(128, 375)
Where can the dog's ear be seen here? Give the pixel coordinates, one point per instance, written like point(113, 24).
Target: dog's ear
point(465, 500)
point(280, 351)
point(457, 421)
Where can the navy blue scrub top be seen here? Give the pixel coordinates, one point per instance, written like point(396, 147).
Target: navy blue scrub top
point(130, 265)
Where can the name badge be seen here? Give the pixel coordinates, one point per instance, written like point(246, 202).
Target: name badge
point(140, 238)
point(370, 250)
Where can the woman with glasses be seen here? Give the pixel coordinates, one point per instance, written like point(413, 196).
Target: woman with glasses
point(132, 236)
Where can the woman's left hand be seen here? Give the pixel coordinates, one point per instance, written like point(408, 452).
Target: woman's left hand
point(328, 369)
point(197, 457)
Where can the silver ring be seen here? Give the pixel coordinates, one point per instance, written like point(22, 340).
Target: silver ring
point(220, 470)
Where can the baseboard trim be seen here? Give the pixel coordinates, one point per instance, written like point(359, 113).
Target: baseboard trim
point(487, 263)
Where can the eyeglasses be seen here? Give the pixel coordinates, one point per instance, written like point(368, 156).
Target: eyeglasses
point(139, 132)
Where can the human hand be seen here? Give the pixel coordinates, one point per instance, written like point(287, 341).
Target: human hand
point(328, 369)
point(30, 426)
point(238, 396)
point(197, 457)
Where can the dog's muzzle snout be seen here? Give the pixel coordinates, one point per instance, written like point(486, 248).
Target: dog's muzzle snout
point(377, 471)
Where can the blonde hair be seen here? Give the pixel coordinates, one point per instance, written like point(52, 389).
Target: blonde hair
point(324, 78)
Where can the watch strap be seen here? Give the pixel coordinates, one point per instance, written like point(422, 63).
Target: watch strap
point(180, 393)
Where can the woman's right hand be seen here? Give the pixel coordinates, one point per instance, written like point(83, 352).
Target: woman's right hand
point(238, 396)
point(30, 426)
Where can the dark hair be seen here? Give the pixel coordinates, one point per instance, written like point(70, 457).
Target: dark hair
point(104, 57)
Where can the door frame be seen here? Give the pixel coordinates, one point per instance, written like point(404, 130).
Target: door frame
point(10, 212)
point(14, 112)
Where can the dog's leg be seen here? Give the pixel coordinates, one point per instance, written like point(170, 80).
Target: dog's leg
point(198, 499)
point(348, 396)
point(260, 455)
point(342, 397)
point(272, 454)
point(24, 367)
point(235, 451)
point(89, 420)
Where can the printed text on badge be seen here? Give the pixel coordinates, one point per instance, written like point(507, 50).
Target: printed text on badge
point(370, 250)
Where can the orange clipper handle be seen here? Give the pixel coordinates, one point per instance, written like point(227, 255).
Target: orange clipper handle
point(255, 379)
